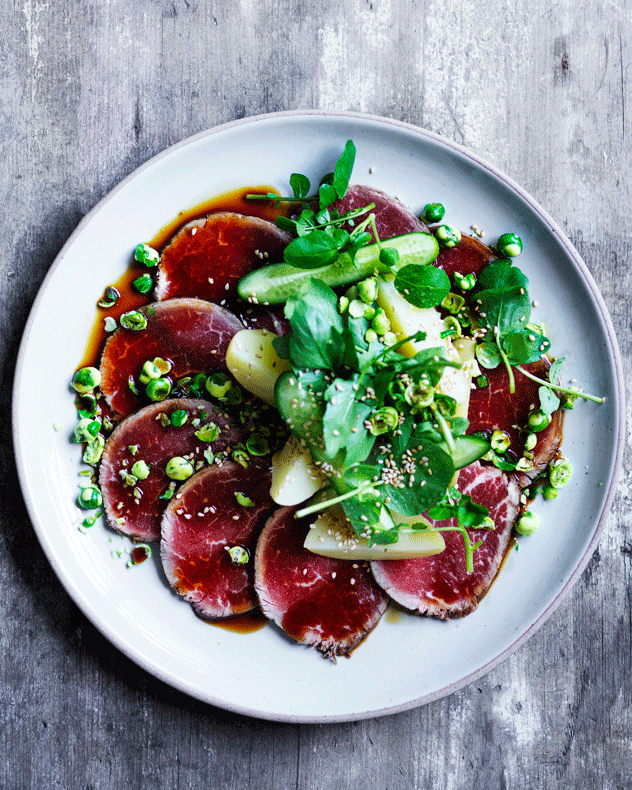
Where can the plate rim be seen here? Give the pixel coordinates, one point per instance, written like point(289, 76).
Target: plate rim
point(153, 668)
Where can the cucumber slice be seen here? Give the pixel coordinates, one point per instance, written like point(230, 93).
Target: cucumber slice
point(467, 450)
point(278, 282)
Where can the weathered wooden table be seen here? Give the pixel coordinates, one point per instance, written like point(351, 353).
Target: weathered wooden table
point(90, 89)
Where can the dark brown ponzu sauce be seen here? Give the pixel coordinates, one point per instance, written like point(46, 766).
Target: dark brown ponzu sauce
point(139, 554)
point(130, 299)
point(246, 623)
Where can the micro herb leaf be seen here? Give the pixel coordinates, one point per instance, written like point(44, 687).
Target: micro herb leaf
point(362, 515)
point(549, 402)
point(326, 196)
point(316, 340)
point(422, 286)
point(389, 257)
point(555, 371)
point(467, 514)
point(502, 297)
point(524, 347)
point(300, 185)
point(311, 251)
point(343, 421)
point(488, 355)
point(413, 492)
point(287, 224)
point(343, 169)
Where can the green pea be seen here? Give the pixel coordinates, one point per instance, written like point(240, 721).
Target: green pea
point(158, 389)
point(500, 441)
point(178, 468)
point(238, 554)
point(509, 245)
point(86, 379)
point(389, 339)
point(218, 385)
point(549, 492)
point(465, 281)
point(86, 429)
point(482, 382)
point(356, 308)
point(433, 212)
point(148, 372)
point(143, 284)
point(94, 450)
point(447, 236)
point(370, 335)
point(134, 320)
point(530, 441)
point(147, 255)
point(367, 290)
point(110, 297)
point(208, 433)
point(89, 497)
point(140, 470)
point(538, 420)
point(380, 322)
point(560, 472)
point(178, 418)
point(383, 420)
point(528, 523)
point(244, 500)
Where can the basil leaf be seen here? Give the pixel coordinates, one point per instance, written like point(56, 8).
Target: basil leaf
point(343, 169)
point(422, 286)
point(300, 185)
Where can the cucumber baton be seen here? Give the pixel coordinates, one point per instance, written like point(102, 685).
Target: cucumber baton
point(278, 282)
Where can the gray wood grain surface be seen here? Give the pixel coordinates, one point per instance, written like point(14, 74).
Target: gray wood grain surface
point(89, 90)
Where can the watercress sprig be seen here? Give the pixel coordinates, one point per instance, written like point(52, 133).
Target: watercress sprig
point(503, 309)
point(468, 515)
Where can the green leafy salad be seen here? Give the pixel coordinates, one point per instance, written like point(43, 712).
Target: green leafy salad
point(381, 409)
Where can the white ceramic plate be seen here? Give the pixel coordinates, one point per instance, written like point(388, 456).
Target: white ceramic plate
point(407, 660)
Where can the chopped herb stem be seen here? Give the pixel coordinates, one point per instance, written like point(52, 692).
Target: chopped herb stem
point(557, 388)
point(445, 429)
point(316, 508)
point(503, 356)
